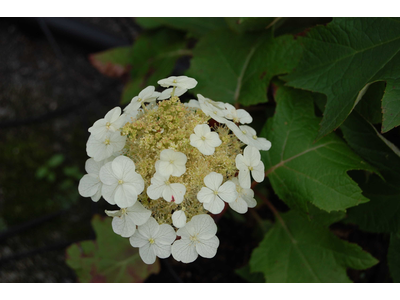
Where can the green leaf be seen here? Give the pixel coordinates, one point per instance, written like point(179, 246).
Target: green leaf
point(238, 68)
point(240, 25)
point(370, 105)
point(340, 59)
point(195, 26)
point(382, 213)
point(153, 58)
point(394, 256)
point(298, 250)
point(114, 62)
point(110, 258)
point(245, 273)
point(302, 170)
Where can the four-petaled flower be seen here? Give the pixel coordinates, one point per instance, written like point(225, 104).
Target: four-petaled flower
point(104, 148)
point(90, 184)
point(205, 140)
point(147, 95)
point(182, 82)
point(213, 109)
point(121, 184)
point(197, 238)
point(161, 187)
point(153, 240)
point(214, 194)
point(112, 121)
point(250, 161)
point(125, 220)
point(244, 200)
point(172, 163)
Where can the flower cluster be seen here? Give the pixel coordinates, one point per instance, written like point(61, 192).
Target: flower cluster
point(168, 169)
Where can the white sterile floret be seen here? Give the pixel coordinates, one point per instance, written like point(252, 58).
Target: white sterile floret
point(125, 220)
point(215, 110)
point(205, 140)
point(153, 240)
point(248, 135)
point(237, 115)
point(147, 95)
point(197, 238)
point(193, 104)
point(121, 184)
point(182, 82)
point(244, 200)
point(172, 163)
point(161, 187)
point(104, 148)
point(90, 184)
point(214, 194)
point(111, 123)
point(168, 93)
point(250, 161)
point(179, 218)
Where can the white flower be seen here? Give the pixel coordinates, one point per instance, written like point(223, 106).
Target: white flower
point(249, 136)
point(166, 94)
point(244, 199)
point(161, 187)
point(103, 148)
point(237, 115)
point(147, 95)
point(111, 123)
point(212, 195)
point(205, 140)
point(179, 218)
point(250, 161)
point(172, 163)
point(121, 184)
point(90, 184)
point(183, 82)
point(153, 240)
point(213, 109)
point(125, 220)
point(197, 238)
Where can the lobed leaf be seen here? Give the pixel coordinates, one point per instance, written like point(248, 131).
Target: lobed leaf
point(108, 259)
point(238, 68)
point(342, 58)
point(297, 250)
point(302, 171)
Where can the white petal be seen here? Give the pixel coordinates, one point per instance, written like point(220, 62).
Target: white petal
point(215, 206)
point(213, 180)
point(207, 248)
point(203, 225)
point(92, 166)
point(263, 144)
point(166, 235)
point(108, 192)
point(258, 172)
point(147, 254)
point(213, 140)
point(244, 178)
point(96, 197)
point(125, 195)
point(205, 195)
point(184, 251)
point(162, 251)
point(89, 185)
point(113, 213)
point(206, 149)
point(179, 218)
point(123, 226)
point(244, 116)
point(196, 141)
point(138, 240)
point(113, 114)
point(240, 162)
point(175, 190)
point(239, 205)
point(227, 191)
point(138, 214)
point(149, 229)
point(201, 130)
point(121, 166)
point(252, 154)
point(135, 180)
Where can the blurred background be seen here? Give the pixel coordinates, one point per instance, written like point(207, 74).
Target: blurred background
point(50, 94)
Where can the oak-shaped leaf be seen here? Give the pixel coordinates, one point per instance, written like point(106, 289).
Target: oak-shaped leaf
point(238, 68)
point(108, 259)
point(301, 170)
point(299, 250)
point(341, 59)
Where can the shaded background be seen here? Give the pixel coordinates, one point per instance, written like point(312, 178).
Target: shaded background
point(50, 94)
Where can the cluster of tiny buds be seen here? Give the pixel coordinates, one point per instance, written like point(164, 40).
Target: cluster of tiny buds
point(167, 170)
